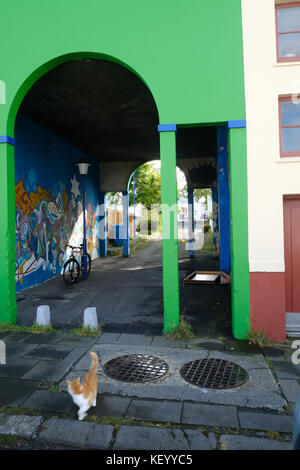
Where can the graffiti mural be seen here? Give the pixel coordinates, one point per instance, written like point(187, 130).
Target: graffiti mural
point(45, 224)
point(49, 205)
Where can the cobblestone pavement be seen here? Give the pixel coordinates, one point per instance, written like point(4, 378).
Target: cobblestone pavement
point(167, 414)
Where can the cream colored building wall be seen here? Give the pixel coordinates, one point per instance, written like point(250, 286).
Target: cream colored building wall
point(269, 177)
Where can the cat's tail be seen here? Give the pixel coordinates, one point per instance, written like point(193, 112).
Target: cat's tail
point(95, 362)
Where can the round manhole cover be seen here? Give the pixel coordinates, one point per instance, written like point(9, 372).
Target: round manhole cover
point(214, 373)
point(136, 368)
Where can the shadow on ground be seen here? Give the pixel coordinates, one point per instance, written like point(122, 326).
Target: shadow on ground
point(127, 293)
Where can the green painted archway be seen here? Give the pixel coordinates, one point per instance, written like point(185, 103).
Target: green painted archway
point(190, 56)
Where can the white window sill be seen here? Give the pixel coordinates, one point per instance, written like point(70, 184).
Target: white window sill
point(286, 64)
point(288, 159)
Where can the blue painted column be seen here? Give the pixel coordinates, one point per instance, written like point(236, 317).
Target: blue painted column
point(125, 227)
point(224, 201)
point(191, 222)
point(215, 211)
point(84, 229)
point(102, 224)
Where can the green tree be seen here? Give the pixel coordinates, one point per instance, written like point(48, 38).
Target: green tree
point(114, 198)
point(198, 193)
point(147, 186)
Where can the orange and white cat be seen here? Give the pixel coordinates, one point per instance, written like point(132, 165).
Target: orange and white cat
point(84, 395)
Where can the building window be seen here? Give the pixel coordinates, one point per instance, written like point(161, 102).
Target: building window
point(288, 32)
point(289, 117)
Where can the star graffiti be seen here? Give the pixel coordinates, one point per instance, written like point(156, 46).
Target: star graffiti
point(74, 188)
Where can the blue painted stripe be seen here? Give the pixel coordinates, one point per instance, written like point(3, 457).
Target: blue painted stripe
point(167, 128)
point(224, 200)
point(236, 124)
point(125, 228)
point(5, 139)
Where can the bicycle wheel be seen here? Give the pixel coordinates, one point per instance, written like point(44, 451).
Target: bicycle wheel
point(88, 264)
point(71, 271)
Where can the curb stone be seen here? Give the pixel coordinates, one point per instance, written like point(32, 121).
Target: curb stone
point(77, 433)
point(19, 425)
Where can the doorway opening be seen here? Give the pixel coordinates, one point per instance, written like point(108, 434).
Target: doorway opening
point(204, 245)
point(103, 112)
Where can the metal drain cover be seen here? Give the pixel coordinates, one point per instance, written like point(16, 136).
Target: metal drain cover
point(214, 373)
point(137, 368)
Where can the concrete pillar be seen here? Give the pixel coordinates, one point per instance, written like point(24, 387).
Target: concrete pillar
point(215, 211)
point(125, 227)
point(191, 222)
point(102, 224)
point(169, 226)
point(224, 203)
point(8, 305)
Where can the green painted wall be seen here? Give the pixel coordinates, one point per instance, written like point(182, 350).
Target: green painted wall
point(239, 233)
point(188, 52)
point(169, 230)
point(8, 307)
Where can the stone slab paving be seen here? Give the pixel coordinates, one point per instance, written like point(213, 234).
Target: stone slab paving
point(74, 340)
point(45, 400)
point(53, 371)
point(267, 422)
point(49, 352)
point(151, 438)
point(286, 370)
point(208, 345)
point(108, 338)
point(161, 341)
point(44, 338)
point(261, 390)
point(291, 389)
point(18, 336)
point(14, 391)
point(19, 425)
point(137, 340)
point(46, 371)
point(15, 351)
point(210, 415)
point(17, 370)
point(77, 433)
point(5, 334)
point(57, 357)
point(155, 410)
point(112, 406)
point(233, 442)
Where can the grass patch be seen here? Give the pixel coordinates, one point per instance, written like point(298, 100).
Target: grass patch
point(259, 338)
point(35, 328)
point(273, 435)
point(270, 364)
point(288, 409)
point(6, 439)
point(86, 331)
point(182, 332)
point(19, 411)
point(118, 422)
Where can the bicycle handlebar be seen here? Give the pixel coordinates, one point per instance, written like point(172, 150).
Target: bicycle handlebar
point(75, 247)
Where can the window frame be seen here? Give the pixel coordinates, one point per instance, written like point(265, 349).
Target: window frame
point(281, 126)
point(279, 7)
